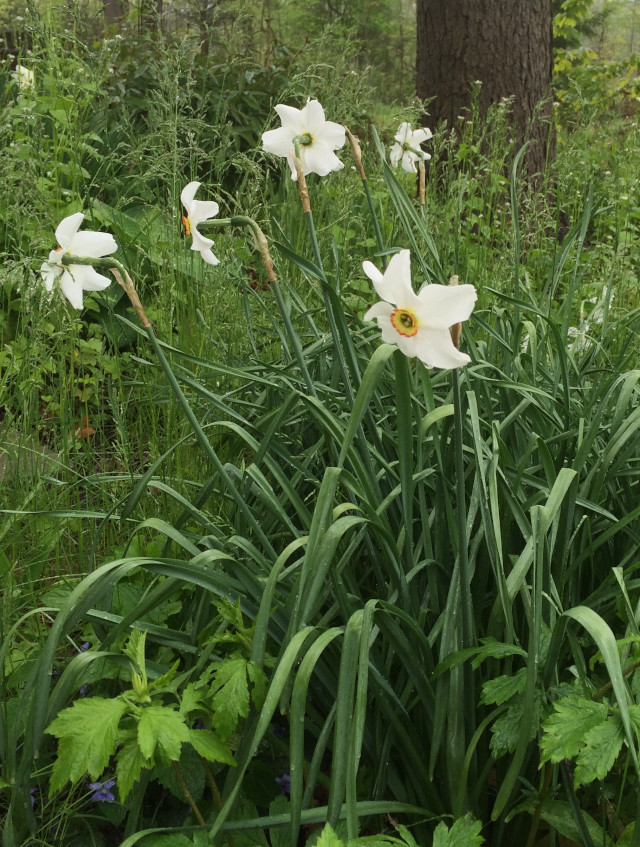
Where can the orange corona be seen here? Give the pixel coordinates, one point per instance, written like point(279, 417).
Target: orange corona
point(404, 322)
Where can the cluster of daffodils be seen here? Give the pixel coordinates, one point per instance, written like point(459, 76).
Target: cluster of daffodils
point(420, 325)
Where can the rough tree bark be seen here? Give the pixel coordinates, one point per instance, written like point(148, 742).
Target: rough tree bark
point(507, 44)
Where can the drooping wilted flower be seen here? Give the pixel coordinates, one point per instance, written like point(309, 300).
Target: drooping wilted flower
point(418, 324)
point(197, 212)
point(318, 139)
point(102, 792)
point(74, 279)
point(406, 151)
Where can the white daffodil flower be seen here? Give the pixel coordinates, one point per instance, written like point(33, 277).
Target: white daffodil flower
point(24, 77)
point(318, 139)
point(74, 279)
point(197, 212)
point(406, 151)
point(418, 324)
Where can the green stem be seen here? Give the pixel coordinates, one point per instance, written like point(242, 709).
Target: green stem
point(376, 224)
point(466, 600)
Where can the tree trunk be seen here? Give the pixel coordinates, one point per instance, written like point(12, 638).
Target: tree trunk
point(507, 45)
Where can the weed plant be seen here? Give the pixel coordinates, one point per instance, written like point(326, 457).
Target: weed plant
point(407, 590)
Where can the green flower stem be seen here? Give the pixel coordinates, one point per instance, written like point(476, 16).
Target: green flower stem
point(466, 600)
point(405, 453)
point(123, 278)
point(335, 314)
point(376, 223)
point(357, 155)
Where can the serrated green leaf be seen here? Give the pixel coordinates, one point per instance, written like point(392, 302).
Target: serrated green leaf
point(129, 765)
point(503, 688)
point(192, 699)
point(134, 649)
point(465, 832)
point(87, 736)
point(602, 745)
point(210, 746)
point(164, 729)
point(505, 731)
point(231, 698)
point(328, 838)
point(564, 731)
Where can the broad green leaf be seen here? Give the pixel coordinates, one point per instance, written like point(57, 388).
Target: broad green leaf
point(505, 731)
point(129, 765)
point(564, 731)
point(602, 745)
point(503, 688)
point(465, 832)
point(163, 729)
point(560, 816)
point(87, 736)
point(173, 840)
point(210, 747)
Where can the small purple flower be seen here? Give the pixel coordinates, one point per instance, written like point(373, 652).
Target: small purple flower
point(101, 792)
point(84, 690)
point(84, 647)
point(32, 796)
point(284, 782)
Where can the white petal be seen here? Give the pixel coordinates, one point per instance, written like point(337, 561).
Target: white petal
point(278, 141)
point(67, 228)
point(49, 274)
point(403, 133)
point(408, 160)
point(436, 349)
point(202, 210)
point(395, 154)
point(89, 278)
point(292, 119)
point(187, 194)
point(372, 272)
point(71, 288)
point(442, 306)
point(203, 246)
point(332, 134)
point(421, 135)
point(320, 159)
point(312, 116)
point(92, 245)
point(395, 285)
point(379, 311)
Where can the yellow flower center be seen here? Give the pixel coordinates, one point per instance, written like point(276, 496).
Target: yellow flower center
point(306, 139)
point(405, 322)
